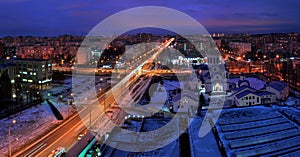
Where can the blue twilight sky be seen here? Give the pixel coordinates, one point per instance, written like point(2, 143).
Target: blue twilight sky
point(78, 17)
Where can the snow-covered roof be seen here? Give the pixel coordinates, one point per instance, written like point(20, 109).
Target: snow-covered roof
point(242, 88)
point(254, 82)
point(244, 93)
point(258, 93)
point(278, 85)
point(263, 93)
point(243, 81)
point(257, 131)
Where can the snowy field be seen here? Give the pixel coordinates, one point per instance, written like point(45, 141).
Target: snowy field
point(29, 124)
point(290, 101)
point(39, 119)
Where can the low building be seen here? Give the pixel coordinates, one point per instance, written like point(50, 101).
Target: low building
point(185, 103)
point(249, 98)
point(279, 88)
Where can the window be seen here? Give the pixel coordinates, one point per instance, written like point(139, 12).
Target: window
point(257, 99)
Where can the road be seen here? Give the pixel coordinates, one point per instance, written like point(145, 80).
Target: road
point(66, 133)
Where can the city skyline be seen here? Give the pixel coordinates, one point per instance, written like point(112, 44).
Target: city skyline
point(52, 18)
point(149, 78)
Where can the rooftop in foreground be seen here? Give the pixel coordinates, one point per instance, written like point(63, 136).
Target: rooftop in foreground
point(259, 130)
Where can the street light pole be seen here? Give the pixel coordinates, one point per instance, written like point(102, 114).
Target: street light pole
point(27, 96)
point(9, 142)
point(9, 146)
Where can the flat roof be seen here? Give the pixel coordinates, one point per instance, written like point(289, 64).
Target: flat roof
point(258, 130)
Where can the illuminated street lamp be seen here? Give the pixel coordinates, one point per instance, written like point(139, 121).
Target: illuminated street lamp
point(9, 142)
point(27, 92)
point(265, 56)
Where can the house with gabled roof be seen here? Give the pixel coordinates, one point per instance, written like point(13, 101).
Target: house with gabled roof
point(279, 88)
point(239, 90)
point(249, 98)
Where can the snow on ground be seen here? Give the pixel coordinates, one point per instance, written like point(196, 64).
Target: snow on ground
point(36, 120)
point(290, 101)
point(254, 82)
point(158, 98)
point(29, 124)
point(202, 146)
point(171, 85)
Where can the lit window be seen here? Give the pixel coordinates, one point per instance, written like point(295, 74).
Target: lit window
point(29, 80)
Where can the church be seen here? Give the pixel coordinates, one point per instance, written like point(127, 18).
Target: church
point(213, 74)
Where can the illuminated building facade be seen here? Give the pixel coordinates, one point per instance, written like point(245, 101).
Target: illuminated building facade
point(33, 71)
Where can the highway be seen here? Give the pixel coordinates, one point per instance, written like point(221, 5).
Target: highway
point(67, 132)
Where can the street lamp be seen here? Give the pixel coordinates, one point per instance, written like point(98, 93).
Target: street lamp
point(27, 96)
point(9, 142)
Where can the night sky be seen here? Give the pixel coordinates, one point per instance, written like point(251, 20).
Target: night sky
point(56, 17)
